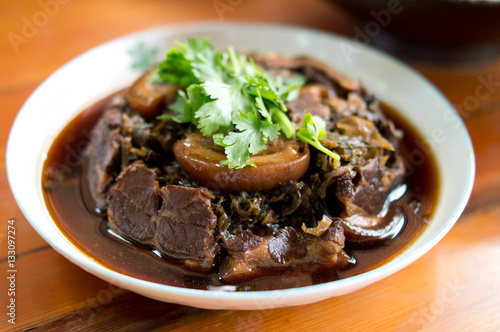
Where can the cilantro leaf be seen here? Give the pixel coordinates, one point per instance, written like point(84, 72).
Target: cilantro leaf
point(251, 138)
point(177, 69)
point(194, 62)
point(226, 101)
point(143, 57)
point(263, 89)
point(288, 87)
point(196, 97)
point(261, 106)
point(270, 130)
point(181, 109)
point(204, 60)
point(185, 106)
point(260, 86)
point(313, 131)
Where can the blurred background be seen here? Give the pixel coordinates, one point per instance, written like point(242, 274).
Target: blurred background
point(446, 31)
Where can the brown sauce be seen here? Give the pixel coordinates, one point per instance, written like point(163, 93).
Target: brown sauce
point(88, 231)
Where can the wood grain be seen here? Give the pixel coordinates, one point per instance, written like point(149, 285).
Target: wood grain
point(453, 287)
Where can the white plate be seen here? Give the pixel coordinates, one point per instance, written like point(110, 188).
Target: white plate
point(107, 68)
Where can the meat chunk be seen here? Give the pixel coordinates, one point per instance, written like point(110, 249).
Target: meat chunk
point(319, 71)
point(355, 126)
point(310, 100)
point(251, 256)
point(178, 221)
point(315, 70)
point(186, 226)
point(133, 204)
point(364, 190)
point(103, 155)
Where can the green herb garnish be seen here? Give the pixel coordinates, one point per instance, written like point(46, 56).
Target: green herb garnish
point(143, 57)
point(313, 131)
point(230, 99)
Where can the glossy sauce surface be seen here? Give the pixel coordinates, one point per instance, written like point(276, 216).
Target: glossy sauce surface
point(89, 232)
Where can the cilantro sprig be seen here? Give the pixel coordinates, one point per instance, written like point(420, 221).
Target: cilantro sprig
point(313, 131)
point(229, 98)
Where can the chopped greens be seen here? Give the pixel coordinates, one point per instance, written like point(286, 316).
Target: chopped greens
point(229, 98)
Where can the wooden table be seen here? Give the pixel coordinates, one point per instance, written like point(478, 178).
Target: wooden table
point(455, 286)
